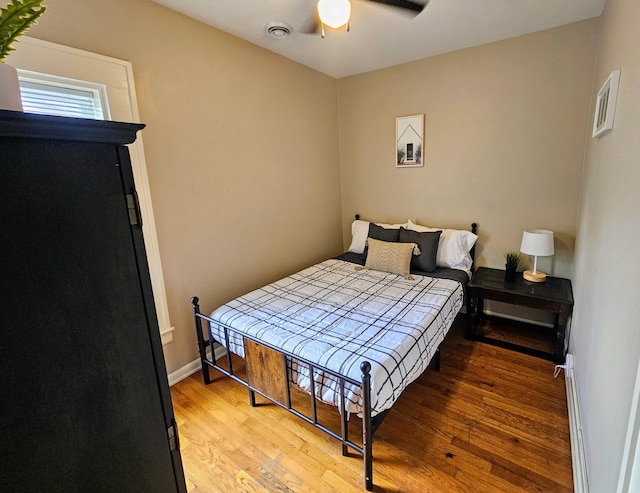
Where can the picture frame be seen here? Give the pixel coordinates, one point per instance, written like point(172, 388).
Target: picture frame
point(410, 141)
point(606, 105)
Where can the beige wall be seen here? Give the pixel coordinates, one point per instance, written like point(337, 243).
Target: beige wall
point(504, 140)
point(241, 148)
point(605, 337)
point(244, 166)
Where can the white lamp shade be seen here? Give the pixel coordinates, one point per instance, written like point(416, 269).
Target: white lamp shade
point(334, 13)
point(538, 242)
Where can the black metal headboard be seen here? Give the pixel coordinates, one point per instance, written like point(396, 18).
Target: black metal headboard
point(472, 252)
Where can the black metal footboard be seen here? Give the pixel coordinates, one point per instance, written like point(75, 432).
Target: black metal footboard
point(369, 425)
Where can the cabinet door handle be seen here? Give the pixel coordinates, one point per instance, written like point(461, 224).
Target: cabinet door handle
point(133, 207)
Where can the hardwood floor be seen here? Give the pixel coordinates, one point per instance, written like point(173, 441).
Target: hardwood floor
point(491, 420)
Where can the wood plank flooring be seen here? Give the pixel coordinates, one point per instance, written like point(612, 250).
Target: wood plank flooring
point(491, 420)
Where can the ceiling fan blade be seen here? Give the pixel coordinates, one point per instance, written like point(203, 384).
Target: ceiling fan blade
point(314, 26)
point(404, 4)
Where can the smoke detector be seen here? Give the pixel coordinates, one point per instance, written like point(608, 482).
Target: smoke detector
point(278, 29)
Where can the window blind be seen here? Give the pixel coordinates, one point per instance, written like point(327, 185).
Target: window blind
point(48, 99)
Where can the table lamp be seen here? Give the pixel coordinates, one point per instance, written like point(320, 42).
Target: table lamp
point(539, 243)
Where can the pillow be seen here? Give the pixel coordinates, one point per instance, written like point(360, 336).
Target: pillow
point(390, 257)
point(427, 242)
point(453, 247)
point(360, 231)
point(393, 226)
point(383, 234)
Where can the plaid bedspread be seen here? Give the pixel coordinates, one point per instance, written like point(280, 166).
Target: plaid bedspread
point(337, 317)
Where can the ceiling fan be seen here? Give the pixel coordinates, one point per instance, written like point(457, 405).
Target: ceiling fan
point(337, 13)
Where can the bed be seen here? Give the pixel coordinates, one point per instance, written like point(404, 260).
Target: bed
point(353, 331)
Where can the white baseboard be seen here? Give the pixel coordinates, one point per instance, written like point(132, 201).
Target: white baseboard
point(580, 482)
point(193, 367)
point(184, 372)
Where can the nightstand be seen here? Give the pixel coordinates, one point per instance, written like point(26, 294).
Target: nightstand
point(554, 295)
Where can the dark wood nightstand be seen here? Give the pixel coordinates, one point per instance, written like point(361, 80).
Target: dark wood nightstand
point(554, 295)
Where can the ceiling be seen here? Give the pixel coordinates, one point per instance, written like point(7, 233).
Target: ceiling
point(382, 36)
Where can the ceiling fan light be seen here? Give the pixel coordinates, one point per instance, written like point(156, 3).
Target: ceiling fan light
point(334, 13)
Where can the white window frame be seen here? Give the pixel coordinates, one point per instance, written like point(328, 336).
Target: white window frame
point(64, 84)
point(116, 75)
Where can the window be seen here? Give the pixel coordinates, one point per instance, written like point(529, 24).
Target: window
point(51, 95)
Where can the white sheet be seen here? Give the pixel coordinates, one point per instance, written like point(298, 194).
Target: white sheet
point(337, 317)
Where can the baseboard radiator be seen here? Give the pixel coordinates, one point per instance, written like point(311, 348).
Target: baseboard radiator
point(580, 483)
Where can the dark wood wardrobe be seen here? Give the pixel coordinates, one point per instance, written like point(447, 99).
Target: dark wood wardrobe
point(84, 398)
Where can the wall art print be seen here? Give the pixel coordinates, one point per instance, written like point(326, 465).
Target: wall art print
point(410, 141)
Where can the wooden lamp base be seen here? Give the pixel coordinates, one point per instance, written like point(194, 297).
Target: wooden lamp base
point(538, 276)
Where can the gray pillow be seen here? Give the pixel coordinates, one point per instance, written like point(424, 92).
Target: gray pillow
point(383, 234)
point(428, 244)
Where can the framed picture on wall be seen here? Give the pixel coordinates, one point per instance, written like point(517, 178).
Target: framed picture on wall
point(409, 141)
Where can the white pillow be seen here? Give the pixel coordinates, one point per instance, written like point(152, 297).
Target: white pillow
point(393, 226)
point(453, 247)
point(360, 231)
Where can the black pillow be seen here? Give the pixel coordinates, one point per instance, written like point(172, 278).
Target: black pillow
point(383, 234)
point(428, 244)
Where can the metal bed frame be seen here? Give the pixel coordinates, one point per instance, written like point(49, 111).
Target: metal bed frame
point(369, 424)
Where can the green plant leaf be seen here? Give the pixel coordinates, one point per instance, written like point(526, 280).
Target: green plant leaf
point(15, 19)
point(512, 257)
